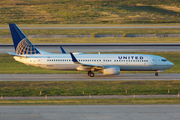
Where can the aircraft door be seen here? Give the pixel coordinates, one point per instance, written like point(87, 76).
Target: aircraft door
point(154, 61)
point(103, 61)
point(39, 61)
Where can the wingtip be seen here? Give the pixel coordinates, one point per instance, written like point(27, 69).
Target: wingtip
point(62, 50)
point(73, 58)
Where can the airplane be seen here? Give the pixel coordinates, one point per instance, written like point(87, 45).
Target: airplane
point(108, 64)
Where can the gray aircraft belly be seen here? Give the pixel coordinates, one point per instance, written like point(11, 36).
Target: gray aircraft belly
point(142, 68)
point(60, 66)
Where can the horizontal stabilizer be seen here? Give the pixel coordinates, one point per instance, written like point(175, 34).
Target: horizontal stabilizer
point(14, 54)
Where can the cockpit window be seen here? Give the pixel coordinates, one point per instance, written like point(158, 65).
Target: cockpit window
point(164, 60)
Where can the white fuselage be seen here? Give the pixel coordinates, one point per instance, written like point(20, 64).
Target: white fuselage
point(126, 62)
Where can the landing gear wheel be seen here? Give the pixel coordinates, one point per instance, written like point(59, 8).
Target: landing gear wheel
point(156, 74)
point(91, 74)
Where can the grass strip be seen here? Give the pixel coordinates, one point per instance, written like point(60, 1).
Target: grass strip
point(76, 88)
point(94, 31)
point(134, 101)
point(99, 40)
point(89, 12)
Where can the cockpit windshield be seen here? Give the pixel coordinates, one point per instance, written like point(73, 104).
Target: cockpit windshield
point(164, 60)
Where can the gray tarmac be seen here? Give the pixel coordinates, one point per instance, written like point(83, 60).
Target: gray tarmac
point(101, 47)
point(85, 77)
point(126, 27)
point(90, 112)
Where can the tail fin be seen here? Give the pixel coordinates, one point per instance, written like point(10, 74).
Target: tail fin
point(22, 44)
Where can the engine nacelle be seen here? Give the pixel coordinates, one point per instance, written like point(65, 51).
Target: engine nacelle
point(111, 70)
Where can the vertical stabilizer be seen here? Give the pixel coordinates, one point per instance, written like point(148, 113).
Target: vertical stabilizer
point(22, 44)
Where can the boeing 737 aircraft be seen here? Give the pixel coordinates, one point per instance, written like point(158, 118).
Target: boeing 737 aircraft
point(108, 64)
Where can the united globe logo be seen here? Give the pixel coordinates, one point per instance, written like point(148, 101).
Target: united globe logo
point(26, 47)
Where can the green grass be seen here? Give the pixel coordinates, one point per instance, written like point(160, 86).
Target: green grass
point(93, 31)
point(9, 65)
point(89, 11)
point(98, 40)
point(136, 101)
point(75, 88)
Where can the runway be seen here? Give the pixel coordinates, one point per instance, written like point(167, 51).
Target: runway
point(90, 112)
point(85, 77)
point(123, 27)
point(100, 47)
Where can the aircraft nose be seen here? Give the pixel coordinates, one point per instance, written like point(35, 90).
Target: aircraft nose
point(170, 64)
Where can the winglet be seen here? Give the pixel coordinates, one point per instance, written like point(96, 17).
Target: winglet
point(83, 64)
point(74, 59)
point(63, 51)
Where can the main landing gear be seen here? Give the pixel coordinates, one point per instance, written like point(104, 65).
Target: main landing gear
point(156, 74)
point(90, 73)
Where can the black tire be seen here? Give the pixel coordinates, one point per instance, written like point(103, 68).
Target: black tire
point(91, 74)
point(156, 74)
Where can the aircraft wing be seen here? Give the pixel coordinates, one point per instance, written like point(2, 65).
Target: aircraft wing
point(84, 64)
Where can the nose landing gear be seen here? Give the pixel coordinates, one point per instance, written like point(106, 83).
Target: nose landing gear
point(156, 74)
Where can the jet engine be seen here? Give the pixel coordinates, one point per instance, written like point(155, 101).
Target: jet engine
point(111, 70)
